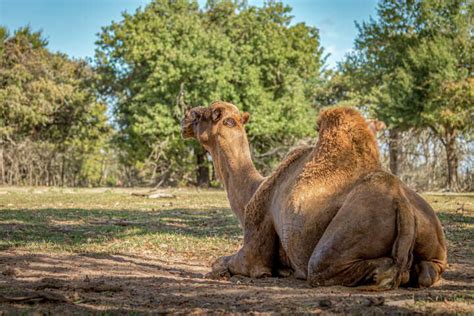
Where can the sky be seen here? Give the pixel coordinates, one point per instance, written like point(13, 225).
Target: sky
point(71, 26)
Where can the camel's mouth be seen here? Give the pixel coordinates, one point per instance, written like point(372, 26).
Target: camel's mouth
point(191, 117)
point(187, 129)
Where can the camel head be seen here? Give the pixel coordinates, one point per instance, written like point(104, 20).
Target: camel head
point(220, 122)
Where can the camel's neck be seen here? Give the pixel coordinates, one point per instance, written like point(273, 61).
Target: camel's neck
point(236, 170)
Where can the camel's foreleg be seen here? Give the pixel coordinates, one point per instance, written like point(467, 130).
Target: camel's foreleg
point(259, 252)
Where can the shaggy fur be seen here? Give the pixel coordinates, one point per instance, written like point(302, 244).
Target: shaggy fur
point(329, 212)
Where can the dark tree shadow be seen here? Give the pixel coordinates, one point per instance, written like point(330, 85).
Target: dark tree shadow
point(177, 290)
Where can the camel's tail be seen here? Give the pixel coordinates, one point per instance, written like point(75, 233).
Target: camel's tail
point(402, 250)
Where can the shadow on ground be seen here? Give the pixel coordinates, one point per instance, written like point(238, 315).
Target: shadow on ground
point(85, 283)
point(76, 227)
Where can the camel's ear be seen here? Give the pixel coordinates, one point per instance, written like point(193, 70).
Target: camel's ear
point(216, 114)
point(375, 126)
point(245, 117)
point(195, 115)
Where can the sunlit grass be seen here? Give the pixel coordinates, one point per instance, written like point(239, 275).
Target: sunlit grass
point(195, 224)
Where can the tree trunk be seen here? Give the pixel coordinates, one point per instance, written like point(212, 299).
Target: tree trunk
point(452, 161)
point(202, 175)
point(393, 141)
point(2, 168)
point(63, 170)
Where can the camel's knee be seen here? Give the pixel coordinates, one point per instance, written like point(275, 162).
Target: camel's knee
point(428, 273)
point(319, 272)
point(325, 274)
point(387, 274)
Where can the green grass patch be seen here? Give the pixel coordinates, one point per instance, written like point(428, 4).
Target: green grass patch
point(196, 224)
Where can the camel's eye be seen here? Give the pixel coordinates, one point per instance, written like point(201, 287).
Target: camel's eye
point(230, 122)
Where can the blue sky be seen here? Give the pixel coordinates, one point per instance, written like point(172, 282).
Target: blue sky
point(71, 25)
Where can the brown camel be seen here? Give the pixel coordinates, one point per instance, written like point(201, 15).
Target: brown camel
point(329, 211)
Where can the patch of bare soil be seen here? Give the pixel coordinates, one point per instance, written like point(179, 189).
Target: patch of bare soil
point(122, 284)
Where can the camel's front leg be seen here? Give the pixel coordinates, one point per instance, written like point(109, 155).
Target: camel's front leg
point(256, 257)
point(220, 268)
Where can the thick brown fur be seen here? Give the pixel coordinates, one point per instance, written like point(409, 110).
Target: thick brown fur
point(346, 148)
point(329, 212)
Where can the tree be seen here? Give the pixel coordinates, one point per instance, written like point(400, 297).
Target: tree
point(50, 120)
point(440, 84)
point(408, 64)
point(172, 54)
point(434, 79)
point(380, 48)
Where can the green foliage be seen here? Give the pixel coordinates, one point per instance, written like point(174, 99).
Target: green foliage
point(379, 50)
point(413, 67)
point(403, 59)
point(171, 54)
point(438, 82)
point(48, 108)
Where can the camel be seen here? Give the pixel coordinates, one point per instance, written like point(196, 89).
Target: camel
point(328, 212)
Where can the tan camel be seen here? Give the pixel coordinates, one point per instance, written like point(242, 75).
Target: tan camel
point(329, 212)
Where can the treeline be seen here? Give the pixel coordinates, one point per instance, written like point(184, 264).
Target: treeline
point(115, 120)
point(413, 69)
point(53, 129)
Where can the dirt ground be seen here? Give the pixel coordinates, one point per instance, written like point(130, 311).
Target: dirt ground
point(108, 252)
